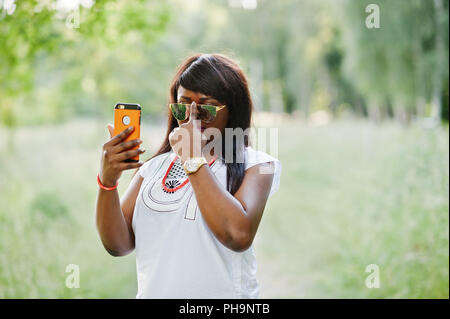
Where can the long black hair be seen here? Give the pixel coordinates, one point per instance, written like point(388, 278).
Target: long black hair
point(221, 78)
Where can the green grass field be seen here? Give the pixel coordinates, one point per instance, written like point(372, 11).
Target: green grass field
point(352, 194)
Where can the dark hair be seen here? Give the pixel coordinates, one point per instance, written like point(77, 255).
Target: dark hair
point(221, 78)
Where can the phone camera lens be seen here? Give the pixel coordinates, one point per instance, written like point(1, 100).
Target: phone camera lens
point(126, 120)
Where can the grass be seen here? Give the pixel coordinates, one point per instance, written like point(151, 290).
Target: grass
point(352, 194)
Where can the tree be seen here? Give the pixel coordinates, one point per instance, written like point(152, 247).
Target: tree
point(405, 62)
point(31, 31)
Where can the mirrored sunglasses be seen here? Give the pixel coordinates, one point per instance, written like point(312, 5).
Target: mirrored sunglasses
point(206, 112)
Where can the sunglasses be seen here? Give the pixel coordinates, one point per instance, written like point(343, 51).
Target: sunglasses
point(206, 112)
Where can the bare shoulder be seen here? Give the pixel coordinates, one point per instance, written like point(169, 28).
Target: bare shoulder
point(258, 177)
point(264, 170)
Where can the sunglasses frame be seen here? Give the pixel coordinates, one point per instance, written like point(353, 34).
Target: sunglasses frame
point(218, 108)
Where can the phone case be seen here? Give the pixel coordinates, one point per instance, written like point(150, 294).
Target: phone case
point(126, 115)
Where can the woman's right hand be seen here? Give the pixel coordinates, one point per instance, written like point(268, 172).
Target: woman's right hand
point(114, 153)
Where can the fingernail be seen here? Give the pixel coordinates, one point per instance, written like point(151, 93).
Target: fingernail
point(130, 128)
point(139, 141)
point(142, 150)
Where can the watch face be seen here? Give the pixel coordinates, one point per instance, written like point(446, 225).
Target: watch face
point(191, 165)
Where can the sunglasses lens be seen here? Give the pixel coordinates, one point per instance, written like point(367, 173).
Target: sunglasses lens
point(178, 111)
point(207, 113)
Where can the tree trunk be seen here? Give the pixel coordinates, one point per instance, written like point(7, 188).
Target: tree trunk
point(400, 114)
point(374, 112)
point(420, 107)
point(436, 103)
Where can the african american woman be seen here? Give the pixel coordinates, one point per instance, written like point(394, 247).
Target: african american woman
point(191, 211)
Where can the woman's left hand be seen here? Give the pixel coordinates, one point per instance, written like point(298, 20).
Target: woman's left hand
point(187, 140)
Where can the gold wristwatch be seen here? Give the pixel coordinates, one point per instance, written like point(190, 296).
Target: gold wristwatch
point(193, 164)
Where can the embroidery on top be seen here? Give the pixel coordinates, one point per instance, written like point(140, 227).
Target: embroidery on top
point(175, 177)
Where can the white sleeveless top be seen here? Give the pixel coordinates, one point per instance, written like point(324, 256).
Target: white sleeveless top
point(177, 255)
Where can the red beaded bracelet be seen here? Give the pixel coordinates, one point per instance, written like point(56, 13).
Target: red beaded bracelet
point(105, 187)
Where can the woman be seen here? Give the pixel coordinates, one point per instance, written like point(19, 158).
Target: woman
point(190, 213)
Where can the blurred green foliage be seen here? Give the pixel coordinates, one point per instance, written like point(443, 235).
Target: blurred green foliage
point(58, 62)
point(353, 194)
point(299, 56)
point(403, 66)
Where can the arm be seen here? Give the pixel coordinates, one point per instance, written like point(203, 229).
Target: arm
point(114, 216)
point(234, 220)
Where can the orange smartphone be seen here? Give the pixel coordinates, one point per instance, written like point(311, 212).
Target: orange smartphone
point(125, 115)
